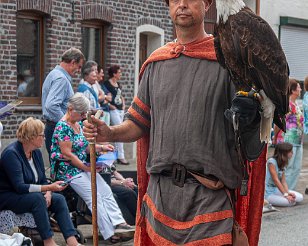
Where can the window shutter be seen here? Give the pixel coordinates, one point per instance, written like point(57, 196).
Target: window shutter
point(294, 41)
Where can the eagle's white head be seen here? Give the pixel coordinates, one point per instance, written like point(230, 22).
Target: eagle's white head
point(225, 8)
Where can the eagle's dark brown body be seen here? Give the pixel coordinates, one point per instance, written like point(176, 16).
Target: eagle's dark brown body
point(247, 46)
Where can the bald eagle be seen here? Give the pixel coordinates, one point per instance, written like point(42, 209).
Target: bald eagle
point(246, 45)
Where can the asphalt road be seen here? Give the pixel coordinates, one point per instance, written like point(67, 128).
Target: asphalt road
point(289, 226)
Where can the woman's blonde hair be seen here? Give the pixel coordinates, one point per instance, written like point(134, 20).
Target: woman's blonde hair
point(29, 129)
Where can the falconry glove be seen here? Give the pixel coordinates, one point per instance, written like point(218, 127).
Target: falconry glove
point(244, 114)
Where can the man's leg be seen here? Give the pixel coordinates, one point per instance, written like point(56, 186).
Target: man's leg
point(128, 198)
point(49, 129)
point(116, 118)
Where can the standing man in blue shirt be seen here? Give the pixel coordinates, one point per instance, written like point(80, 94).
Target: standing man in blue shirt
point(57, 89)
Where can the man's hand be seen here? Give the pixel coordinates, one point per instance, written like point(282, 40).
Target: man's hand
point(102, 132)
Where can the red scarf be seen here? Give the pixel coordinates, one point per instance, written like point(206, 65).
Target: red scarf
point(249, 208)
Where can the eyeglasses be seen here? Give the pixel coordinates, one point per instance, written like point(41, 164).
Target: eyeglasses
point(83, 114)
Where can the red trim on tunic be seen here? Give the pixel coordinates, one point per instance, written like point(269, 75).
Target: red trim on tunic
point(142, 105)
point(182, 225)
point(222, 239)
point(138, 117)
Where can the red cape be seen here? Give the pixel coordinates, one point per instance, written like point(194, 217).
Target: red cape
point(249, 208)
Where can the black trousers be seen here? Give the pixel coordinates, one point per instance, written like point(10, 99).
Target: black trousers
point(49, 129)
point(127, 201)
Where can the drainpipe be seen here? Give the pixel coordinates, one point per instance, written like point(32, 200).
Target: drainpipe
point(258, 7)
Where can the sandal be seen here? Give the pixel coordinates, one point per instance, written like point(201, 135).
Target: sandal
point(123, 162)
point(114, 239)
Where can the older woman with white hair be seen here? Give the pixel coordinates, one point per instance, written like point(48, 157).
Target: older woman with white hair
point(24, 188)
point(69, 143)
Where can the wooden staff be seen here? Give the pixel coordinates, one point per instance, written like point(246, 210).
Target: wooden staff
point(93, 181)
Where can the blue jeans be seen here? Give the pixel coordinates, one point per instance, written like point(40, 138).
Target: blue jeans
point(294, 167)
point(116, 118)
point(35, 203)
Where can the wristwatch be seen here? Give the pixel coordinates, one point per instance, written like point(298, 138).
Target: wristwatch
point(286, 194)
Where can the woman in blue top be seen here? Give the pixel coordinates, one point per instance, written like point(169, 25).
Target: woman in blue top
point(24, 188)
point(276, 188)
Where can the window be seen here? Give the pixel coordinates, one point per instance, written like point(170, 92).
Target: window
point(93, 41)
point(30, 60)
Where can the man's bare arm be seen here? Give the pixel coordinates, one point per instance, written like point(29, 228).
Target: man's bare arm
point(128, 131)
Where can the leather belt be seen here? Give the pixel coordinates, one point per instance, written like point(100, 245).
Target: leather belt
point(180, 174)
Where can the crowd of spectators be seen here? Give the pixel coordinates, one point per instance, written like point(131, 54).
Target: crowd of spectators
point(23, 179)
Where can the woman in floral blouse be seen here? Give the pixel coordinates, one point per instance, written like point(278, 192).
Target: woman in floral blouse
point(294, 135)
point(69, 143)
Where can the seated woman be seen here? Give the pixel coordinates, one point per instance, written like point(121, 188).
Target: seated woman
point(24, 188)
point(68, 142)
point(276, 187)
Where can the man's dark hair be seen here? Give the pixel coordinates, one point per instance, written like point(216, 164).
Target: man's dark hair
point(87, 68)
point(112, 70)
point(292, 85)
point(72, 54)
point(99, 68)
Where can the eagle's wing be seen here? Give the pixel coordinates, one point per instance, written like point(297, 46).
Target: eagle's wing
point(261, 53)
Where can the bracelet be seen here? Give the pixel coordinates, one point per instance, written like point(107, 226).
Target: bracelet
point(286, 194)
point(122, 183)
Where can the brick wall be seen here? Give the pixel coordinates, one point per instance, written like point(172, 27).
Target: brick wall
point(123, 15)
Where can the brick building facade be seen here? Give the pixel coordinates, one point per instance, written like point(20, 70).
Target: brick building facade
point(34, 34)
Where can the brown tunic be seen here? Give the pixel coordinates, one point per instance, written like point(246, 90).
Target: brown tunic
point(181, 104)
point(187, 98)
